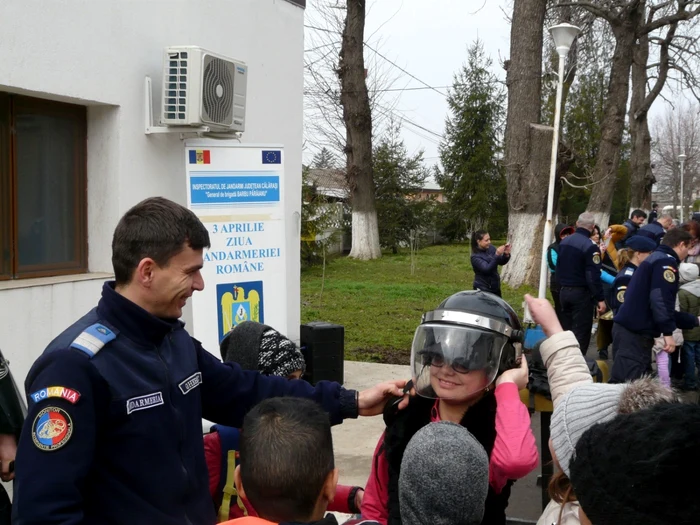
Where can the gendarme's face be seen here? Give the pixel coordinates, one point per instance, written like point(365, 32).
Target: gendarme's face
point(638, 220)
point(682, 251)
point(175, 282)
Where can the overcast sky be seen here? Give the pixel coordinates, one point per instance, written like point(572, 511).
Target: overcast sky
point(429, 40)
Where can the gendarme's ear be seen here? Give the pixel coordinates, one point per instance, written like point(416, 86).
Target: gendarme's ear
point(144, 272)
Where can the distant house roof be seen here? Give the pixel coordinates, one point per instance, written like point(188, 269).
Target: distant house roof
point(431, 186)
point(330, 182)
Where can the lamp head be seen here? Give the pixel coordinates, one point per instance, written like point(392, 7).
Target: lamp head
point(564, 35)
point(682, 157)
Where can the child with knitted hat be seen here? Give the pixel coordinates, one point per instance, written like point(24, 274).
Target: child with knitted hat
point(444, 477)
point(629, 470)
point(578, 405)
point(256, 346)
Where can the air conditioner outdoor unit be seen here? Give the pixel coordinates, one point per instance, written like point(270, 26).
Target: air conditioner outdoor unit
point(201, 88)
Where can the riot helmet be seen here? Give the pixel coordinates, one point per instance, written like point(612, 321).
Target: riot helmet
point(460, 347)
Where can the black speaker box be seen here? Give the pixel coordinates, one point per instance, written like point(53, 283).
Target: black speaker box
point(323, 346)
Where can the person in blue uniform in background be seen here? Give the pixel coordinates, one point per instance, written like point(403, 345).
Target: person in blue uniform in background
point(578, 272)
point(561, 232)
point(657, 229)
point(486, 259)
point(649, 309)
point(638, 249)
point(114, 427)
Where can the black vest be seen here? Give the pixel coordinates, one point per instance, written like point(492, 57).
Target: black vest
point(480, 420)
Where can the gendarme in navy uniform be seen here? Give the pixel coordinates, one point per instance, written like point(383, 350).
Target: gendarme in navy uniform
point(641, 247)
point(578, 271)
point(649, 309)
point(114, 427)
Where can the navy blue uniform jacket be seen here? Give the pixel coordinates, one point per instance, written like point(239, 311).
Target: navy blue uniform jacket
point(631, 231)
point(116, 437)
point(619, 286)
point(485, 264)
point(579, 263)
point(650, 298)
point(655, 231)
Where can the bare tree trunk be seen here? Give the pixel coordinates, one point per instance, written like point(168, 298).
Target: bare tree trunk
point(527, 177)
point(358, 122)
point(642, 178)
point(608, 159)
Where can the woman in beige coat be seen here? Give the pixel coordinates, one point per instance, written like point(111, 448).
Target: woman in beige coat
point(579, 403)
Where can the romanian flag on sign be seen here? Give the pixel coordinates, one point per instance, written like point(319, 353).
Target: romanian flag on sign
point(200, 156)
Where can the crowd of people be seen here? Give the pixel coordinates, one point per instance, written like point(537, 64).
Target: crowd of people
point(636, 287)
point(113, 428)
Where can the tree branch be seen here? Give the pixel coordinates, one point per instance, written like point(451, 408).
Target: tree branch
point(664, 63)
point(679, 16)
point(592, 8)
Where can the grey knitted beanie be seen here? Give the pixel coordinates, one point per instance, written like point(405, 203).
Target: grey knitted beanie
point(587, 405)
point(579, 410)
point(444, 477)
point(242, 344)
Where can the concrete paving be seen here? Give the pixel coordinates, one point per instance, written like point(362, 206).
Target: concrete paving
point(355, 440)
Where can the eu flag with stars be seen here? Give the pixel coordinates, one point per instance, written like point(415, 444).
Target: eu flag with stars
point(272, 156)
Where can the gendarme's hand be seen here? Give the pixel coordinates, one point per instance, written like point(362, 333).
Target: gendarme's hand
point(669, 344)
point(371, 402)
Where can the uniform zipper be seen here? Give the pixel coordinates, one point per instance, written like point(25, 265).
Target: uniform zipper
point(178, 420)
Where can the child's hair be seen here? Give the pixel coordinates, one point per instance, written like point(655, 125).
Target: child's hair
point(560, 489)
point(285, 458)
point(624, 255)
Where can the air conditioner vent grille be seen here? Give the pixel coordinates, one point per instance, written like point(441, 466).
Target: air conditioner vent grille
point(217, 91)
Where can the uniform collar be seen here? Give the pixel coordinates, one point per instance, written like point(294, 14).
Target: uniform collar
point(132, 320)
point(584, 232)
point(669, 251)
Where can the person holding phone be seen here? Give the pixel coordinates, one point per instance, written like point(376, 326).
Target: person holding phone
point(485, 260)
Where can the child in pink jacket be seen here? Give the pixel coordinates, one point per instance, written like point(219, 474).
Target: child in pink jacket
point(458, 359)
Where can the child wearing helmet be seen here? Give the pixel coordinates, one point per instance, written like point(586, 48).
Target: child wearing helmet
point(465, 370)
point(256, 346)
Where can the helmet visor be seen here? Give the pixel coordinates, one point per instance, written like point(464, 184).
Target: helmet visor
point(454, 362)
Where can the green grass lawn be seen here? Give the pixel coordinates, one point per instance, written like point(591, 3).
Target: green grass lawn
point(380, 303)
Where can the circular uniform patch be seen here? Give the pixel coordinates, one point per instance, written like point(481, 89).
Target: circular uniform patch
point(670, 276)
point(621, 296)
point(52, 428)
point(596, 258)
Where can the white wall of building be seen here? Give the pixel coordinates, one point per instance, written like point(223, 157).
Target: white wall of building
point(97, 53)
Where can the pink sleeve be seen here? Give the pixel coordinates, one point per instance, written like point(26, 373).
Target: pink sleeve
point(514, 453)
point(376, 498)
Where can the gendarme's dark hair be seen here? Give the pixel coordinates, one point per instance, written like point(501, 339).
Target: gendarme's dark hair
point(638, 213)
point(676, 236)
point(286, 456)
point(157, 228)
point(476, 237)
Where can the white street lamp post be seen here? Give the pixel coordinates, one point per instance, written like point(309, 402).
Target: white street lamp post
point(681, 159)
point(563, 35)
